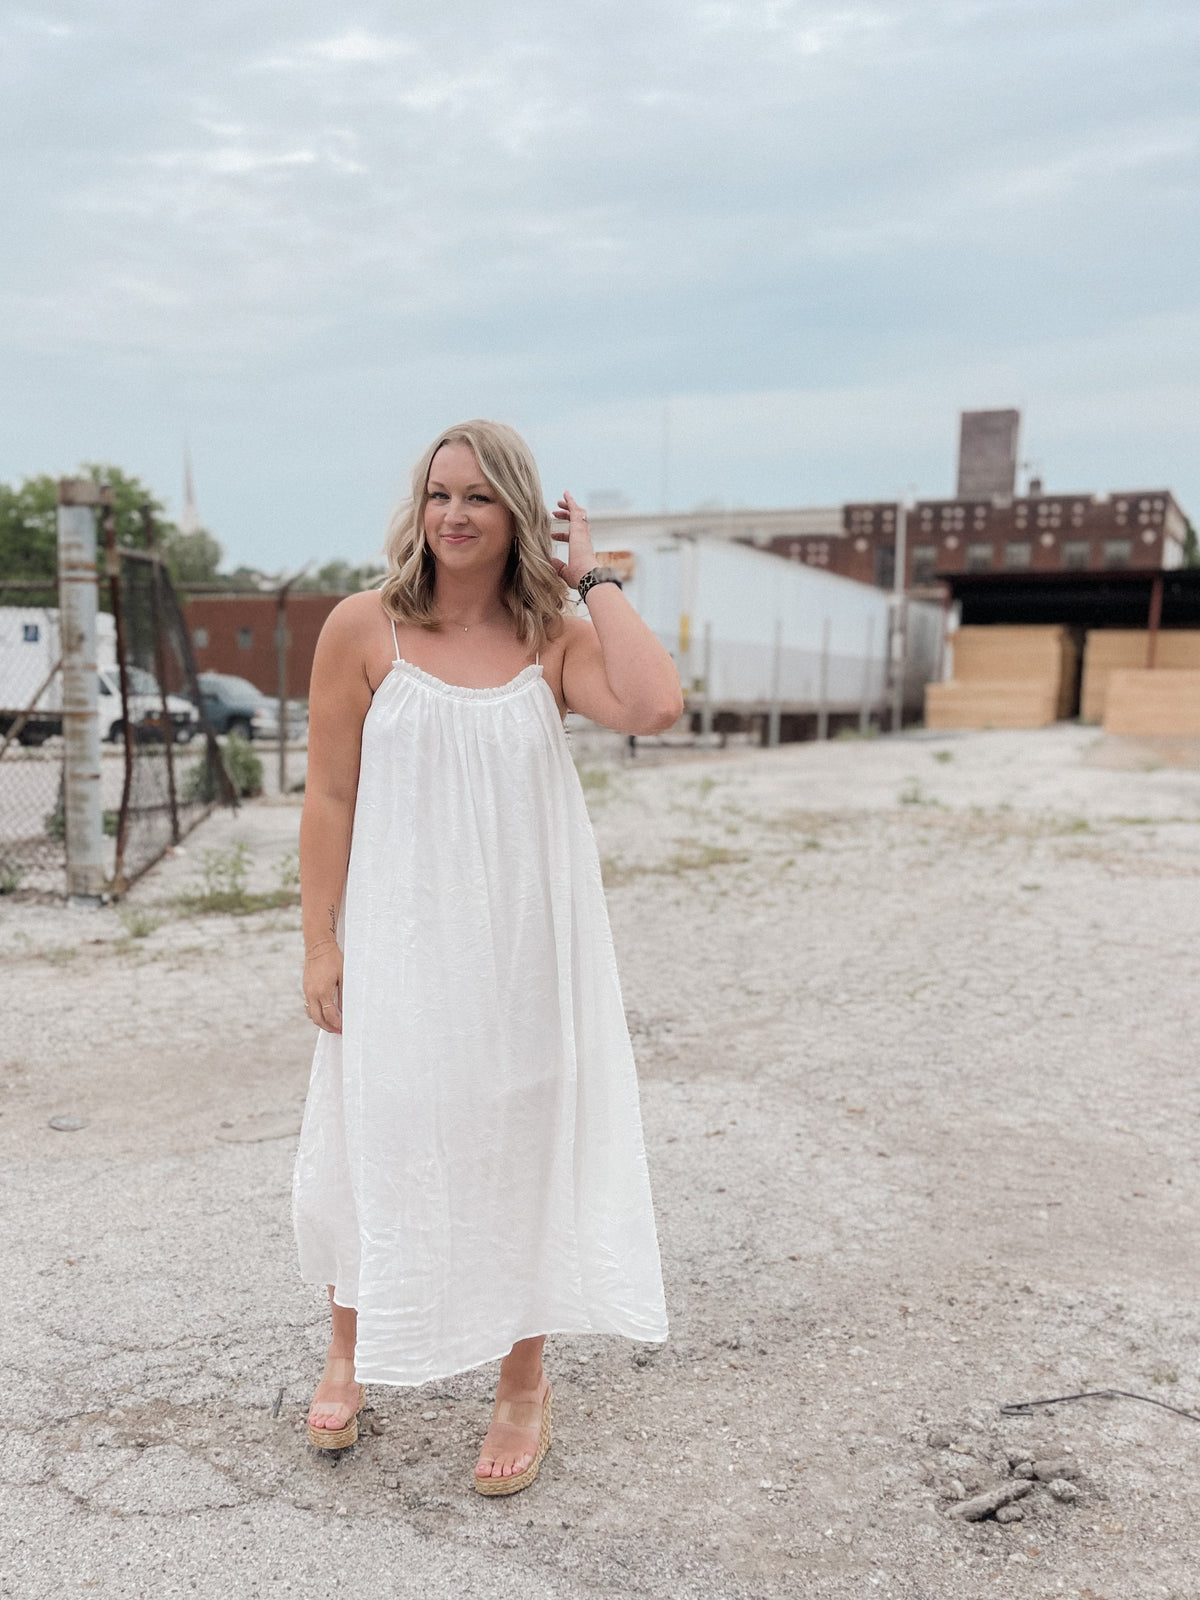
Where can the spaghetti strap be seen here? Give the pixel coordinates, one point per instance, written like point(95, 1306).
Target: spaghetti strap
point(537, 660)
point(395, 641)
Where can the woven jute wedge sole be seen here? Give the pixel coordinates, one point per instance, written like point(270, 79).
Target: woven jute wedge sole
point(338, 1438)
point(522, 1480)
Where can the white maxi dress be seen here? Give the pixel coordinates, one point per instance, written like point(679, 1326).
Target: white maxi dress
point(471, 1169)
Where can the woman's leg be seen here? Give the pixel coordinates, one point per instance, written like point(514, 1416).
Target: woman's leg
point(512, 1439)
point(336, 1399)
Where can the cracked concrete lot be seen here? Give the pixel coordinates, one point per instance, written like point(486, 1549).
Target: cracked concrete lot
point(915, 1021)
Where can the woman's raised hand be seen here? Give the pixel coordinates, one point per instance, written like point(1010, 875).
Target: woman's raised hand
point(581, 557)
point(323, 988)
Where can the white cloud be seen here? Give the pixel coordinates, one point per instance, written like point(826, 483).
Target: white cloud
point(823, 226)
point(354, 48)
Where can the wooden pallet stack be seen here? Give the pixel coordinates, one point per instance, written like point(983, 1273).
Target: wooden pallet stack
point(1110, 650)
point(1162, 703)
point(1006, 677)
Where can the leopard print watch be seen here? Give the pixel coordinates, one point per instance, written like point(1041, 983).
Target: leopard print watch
point(595, 576)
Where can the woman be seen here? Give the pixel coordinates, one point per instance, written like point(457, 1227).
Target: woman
point(471, 1174)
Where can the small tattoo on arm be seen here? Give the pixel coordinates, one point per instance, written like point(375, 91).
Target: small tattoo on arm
point(333, 920)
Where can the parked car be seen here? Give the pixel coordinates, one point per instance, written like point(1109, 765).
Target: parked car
point(145, 708)
point(265, 722)
point(230, 702)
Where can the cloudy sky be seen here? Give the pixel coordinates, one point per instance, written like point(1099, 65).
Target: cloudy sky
point(757, 252)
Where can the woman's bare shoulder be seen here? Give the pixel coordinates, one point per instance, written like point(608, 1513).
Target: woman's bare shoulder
point(355, 621)
point(356, 611)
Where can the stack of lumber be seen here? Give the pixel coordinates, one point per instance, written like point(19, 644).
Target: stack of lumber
point(1165, 701)
point(1111, 649)
point(1006, 677)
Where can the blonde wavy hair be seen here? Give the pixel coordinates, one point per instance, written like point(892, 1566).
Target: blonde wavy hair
point(533, 592)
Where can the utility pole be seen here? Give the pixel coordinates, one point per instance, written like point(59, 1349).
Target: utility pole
point(78, 596)
point(899, 617)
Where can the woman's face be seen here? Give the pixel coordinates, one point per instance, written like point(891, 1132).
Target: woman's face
point(466, 525)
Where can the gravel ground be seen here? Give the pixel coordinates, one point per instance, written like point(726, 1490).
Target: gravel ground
point(915, 1024)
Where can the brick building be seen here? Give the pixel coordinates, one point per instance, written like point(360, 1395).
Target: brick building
point(237, 634)
point(1134, 530)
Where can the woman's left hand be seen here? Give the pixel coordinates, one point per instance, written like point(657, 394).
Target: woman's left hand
point(581, 557)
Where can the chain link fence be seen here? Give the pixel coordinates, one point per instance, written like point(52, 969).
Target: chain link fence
point(32, 849)
point(161, 768)
point(173, 771)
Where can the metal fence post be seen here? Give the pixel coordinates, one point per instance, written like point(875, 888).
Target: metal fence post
point(281, 679)
point(78, 603)
point(773, 706)
point(823, 689)
point(160, 664)
point(706, 716)
point(864, 709)
point(128, 731)
point(899, 618)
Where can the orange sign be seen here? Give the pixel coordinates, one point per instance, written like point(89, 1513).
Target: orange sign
point(621, 561)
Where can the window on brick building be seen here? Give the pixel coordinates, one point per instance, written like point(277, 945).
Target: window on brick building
point(885, 566)
point(200, 638)
point(1075, 554)
point(1118, 552)
point(245, 638)
point(1018, 554)
point(979, 558)
point(924, 563)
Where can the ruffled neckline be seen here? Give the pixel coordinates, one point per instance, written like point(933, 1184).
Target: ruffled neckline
point(461, 691)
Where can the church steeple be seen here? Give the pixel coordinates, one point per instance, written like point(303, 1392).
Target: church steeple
point(189, 517)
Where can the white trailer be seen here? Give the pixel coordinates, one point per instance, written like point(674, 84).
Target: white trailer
point(31, 648)
point(755, 634)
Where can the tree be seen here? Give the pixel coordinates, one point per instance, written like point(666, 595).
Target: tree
point(192, 558)
point(29, 528)
point(1191, 545)
point(338, 577)
point(29, 538)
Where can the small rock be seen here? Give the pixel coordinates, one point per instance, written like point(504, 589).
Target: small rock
point(1010, 1513)
point(429, 1416)
point(940, 1438)
point(1046, 1471)
point(1023, 1469)
point(1064, 1491)
point(67, 1124)
point(983, 1505)
point(1015, 1457)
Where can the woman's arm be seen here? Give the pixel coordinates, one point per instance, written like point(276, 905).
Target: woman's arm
point(339, 695)
point(615, 671)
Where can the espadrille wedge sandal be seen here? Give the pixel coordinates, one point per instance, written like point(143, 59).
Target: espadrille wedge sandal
point(337, 1438)
point(519, 1480)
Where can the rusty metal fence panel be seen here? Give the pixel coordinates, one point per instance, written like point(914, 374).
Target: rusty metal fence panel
point(162, 769)
point(173, 770)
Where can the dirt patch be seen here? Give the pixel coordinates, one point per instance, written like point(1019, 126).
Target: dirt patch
point(915, 1025)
